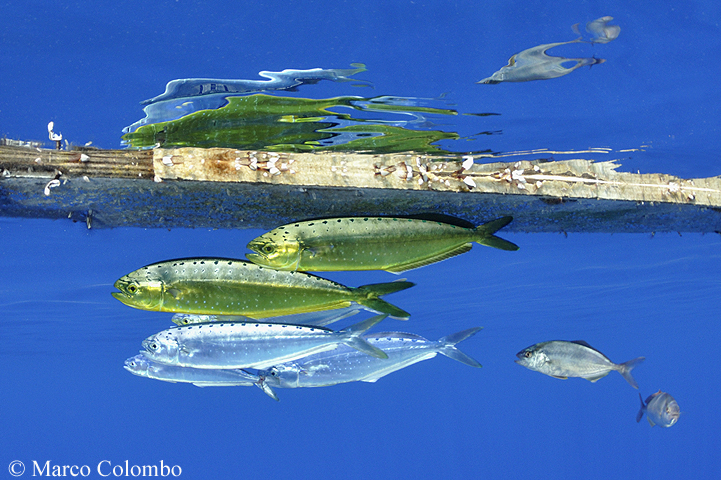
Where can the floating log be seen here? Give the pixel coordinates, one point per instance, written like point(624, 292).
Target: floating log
point(227, 188)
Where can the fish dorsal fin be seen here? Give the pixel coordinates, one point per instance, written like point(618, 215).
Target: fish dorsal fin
point(584, 343)
point(439, 217)
point(402, 267)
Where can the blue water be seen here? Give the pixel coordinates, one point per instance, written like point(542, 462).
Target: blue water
point(66, 398)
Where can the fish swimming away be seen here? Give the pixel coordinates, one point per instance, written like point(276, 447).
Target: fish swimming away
point(221, 286)
point(370, 243)
point(319, 319)
point(535, 64)
point(562, 359)
point(661, 409)
point(251, 345)
point(142, 366)
point(345, 364)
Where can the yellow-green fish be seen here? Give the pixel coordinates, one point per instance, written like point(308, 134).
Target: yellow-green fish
point(222, 286)
point(370, 243)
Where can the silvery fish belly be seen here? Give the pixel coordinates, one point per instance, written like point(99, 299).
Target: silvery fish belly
point(143, 366)
point(347, 365)
point(250, 345)
point(214, 286)
point(370, 243)
point(661, 409)
point(563, 359)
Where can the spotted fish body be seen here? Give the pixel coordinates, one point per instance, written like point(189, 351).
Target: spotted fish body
point(251, 345)
point(563, 359)
point(345, 364)
point(369, 243)
point(214, 286)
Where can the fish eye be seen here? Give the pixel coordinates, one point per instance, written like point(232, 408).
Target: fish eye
point(268, 248)
point(273, 372)
point(527, 354)
point(132, 288)
point(154, 346)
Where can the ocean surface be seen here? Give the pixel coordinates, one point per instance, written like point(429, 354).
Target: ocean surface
point(652, 106)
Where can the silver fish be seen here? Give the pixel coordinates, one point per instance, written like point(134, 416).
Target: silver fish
point(251, 345)
point(319, 319)
point(142, 366)
point(535, 64)
point(347, 365)
point(661, 409)
point(562, 359)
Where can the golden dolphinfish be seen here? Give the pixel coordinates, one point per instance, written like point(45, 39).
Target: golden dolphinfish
point(222, 286)
point(370, 243)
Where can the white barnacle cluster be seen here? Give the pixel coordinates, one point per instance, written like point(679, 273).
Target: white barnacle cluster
point(270, 163)
point(342, 169)
point(55, 137)
point(518, 176)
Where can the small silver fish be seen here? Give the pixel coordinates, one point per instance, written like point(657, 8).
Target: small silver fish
point(661, 409)
point(142, 366)
point(563, 359)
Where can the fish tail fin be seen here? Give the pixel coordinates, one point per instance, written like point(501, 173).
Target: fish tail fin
point(449, 346)
point(625, 370)
point(639, 415)
point(486, 234)
point(369, 298)
point(352, 337)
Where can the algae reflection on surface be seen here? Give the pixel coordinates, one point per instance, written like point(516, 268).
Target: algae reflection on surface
point(273, 123)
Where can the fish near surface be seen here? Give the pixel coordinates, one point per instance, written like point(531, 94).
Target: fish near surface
point(370, 243)
point(251, 345)
point(535, 64)
point(563, 359)
point(216, 286)
point(142, 366)
point(661, 409)
point(345, 364)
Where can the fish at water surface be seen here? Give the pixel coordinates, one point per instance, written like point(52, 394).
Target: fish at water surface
point(370, 243)
point(563, 359)
point(251, 345)
point(345, 364)
point(661, 409)
point(142, 366)
point(216, 286)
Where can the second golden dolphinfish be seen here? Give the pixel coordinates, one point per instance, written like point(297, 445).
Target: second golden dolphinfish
point(370, 243)
point(222, 286)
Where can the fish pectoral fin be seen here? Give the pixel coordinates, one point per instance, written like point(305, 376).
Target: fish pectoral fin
point(402, 267)
point(650, 421)
point(559, 377)
point(174, 292)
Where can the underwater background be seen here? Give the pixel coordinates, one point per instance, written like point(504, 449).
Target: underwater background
point(652, 105)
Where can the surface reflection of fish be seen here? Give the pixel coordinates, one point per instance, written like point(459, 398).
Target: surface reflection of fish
point(370, 243)
point(535, 64)
point(661, 409)
point(320, 319)
point(251, 345)
point(142, 366)
point(347, 365)
point(216, 286)
point(562, 359)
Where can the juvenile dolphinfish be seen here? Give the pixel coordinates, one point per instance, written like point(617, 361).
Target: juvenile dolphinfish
point(370, 243)
point(217, 286)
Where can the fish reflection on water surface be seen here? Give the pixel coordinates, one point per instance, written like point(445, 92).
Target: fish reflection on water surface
point(344, 364)
point(251, 345)
point(370, 243)
point(213, 286)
